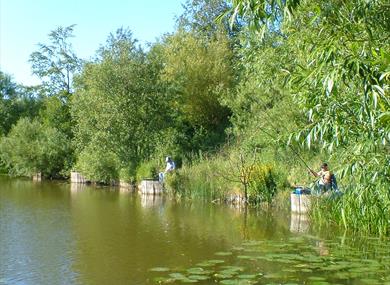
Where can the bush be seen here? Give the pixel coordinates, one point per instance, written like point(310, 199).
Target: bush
point(98, 164)
point(128, 173)
point(175, 183)
point(147, 169)
point(31, 147)
point(262, 184)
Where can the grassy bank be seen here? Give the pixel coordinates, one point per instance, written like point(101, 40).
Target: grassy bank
point(358, 209)
point(229, 176)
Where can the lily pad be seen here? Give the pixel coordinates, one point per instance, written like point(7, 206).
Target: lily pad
point(159, 269)
point(370, 281)
point(316, 278)
point(247, 276)
point(187, 280)
point(238, 248)
point(205, 264)
point(216, 261)
point(233, 268)
point(198, 277)
point(252, 243)
point(178, 276)
point(198, 271)
point(236, 282)
point(244, 257)
point(273, 276)
point(223, 253)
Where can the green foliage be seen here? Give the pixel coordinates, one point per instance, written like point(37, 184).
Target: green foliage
point(15, 102)
point(118, 103)
point(55, 113)
point(343, 85)
point(199, 72)
point(260, 16)
point(314, 85)
point(200, 16)
point(98, 164)
point(30, 148)
point(127, 173)
point(56, 63)
point(175, 182)
point(201, 179)
point(339, 77)
point(359, 209)
point(262, 184)
point(147, 169)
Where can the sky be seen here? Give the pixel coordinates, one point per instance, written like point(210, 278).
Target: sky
point(25, 23)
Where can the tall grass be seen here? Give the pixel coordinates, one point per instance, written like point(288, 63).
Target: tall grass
point(364, 209)
point(219, 178)
point(199, 179)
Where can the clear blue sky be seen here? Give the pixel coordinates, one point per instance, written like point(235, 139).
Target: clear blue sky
point(25, 23)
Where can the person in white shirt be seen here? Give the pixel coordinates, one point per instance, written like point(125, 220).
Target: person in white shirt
point(169, 168)
point(327, 180)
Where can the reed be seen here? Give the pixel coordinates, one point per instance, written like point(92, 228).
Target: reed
point(199, 179)
point(364, 209)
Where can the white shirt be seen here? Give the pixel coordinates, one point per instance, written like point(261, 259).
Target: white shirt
point(170, 166)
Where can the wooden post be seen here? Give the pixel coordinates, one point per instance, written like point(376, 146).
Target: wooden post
point(299, 223)
point(151, 187)
point(37, 177)
point(151, 201)
point(300, 203)
point(76, 177)
point(125, 186)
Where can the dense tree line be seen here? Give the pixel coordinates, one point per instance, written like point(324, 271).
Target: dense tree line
point(245, 88)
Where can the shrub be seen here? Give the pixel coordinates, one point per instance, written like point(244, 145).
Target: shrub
point(147, 169)
point(175, 183)
point(262, 184)
point(128, 173)
point(30, 148)
point(98, 164)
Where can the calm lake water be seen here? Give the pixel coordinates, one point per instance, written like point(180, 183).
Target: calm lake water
point(55, 233)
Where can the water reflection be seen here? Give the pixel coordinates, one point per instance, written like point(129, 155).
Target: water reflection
point(299, 223)
point(78, 234)
point(35, 236)
point(322, 248)
point(77, 187)
point(151, 201)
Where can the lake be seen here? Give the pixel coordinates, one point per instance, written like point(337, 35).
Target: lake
point(57, 233)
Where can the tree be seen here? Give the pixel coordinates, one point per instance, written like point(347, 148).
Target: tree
point(340, 79)
point(55, 113)
point(200, 17)
point(7, 97)
point(118, 105)
point(56, 63)
point(200, 74)
point(15, 102)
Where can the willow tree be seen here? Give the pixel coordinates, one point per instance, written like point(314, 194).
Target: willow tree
point(340, 78)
